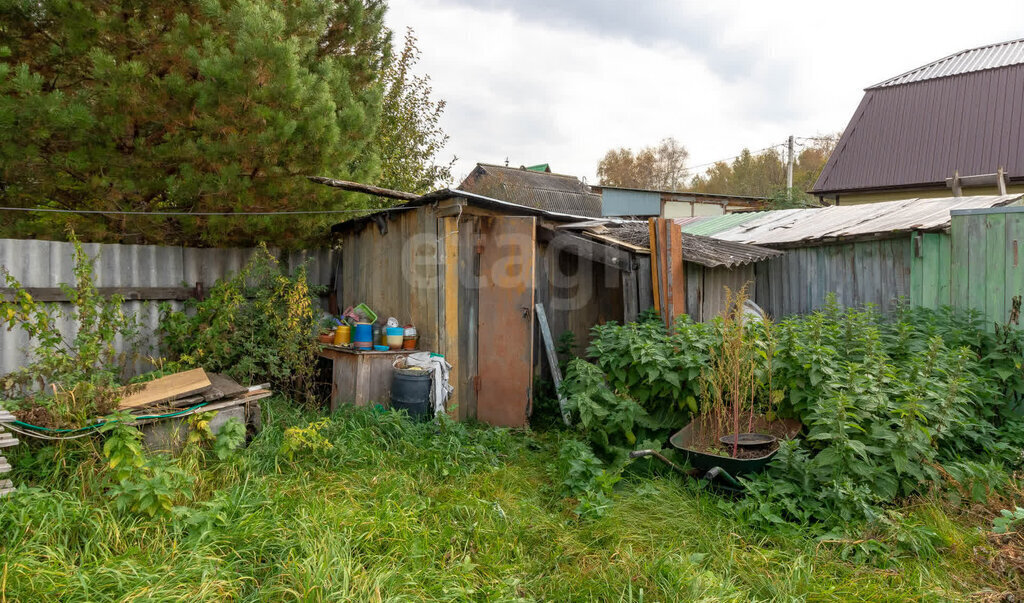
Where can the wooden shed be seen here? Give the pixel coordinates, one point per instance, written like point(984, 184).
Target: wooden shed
point(468, 271)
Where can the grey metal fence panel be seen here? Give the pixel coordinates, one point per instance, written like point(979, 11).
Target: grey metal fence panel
point(48, 264)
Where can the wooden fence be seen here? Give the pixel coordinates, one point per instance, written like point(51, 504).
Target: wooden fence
point(977, 265)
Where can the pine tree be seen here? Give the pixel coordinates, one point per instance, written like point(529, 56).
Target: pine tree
point(186, 106)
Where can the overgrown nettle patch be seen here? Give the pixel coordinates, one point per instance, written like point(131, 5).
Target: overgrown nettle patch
point(892, 405)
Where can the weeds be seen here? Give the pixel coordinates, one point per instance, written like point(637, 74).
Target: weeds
point(256, 326)
point(69, 377)
point(402, 511)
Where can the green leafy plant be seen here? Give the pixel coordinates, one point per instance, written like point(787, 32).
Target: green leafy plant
point(229, 438)
point(140, 483)
point(258, 325)
point(584, 477)
point(306, 439)
point(892, 406)
point(606, 417)
point(1008, 521)
point(73, 377)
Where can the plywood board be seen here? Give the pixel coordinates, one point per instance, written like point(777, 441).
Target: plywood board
point(166, 388)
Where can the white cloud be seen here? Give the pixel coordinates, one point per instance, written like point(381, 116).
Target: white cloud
point(564, 82)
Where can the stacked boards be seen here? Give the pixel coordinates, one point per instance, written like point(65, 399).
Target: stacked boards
point(6, 440)
point(193, 388)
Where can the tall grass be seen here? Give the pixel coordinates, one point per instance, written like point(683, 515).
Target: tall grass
point(400, 511)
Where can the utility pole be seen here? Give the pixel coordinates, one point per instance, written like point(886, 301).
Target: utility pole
point(789, 168)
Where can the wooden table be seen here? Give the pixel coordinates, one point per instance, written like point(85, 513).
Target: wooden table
point(360, 377)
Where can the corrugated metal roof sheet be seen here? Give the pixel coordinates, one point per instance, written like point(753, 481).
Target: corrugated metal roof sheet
point(920, 134)
point(717, 253)
point(706, 251)
point(542, 190)
point(792, 226)
point(712, 225)
point(965, 61)
point(685, 221)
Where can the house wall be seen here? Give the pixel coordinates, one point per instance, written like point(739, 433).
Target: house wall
point(685, 209)
point(930, 269)
point(577, 294)
point(616, 202)
point(855, 198)
point(866, 272)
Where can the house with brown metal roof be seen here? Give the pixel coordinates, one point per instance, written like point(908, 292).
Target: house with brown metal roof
point(536, 187)
point(949, 128)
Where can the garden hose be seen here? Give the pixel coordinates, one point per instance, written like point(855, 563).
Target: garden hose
point(102, 423)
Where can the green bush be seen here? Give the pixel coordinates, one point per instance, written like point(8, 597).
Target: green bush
point(257, 326)
point(892, 406)
point(72, 378)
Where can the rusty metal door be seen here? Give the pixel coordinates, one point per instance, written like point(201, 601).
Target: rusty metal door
point(505, 338)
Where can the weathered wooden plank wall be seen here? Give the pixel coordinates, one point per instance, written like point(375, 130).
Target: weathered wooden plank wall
point(396, 273)
point(864, 272)
point(578, 293)
point(47, 264)
point(469, 315)
point(978, 265)
point(930, 271)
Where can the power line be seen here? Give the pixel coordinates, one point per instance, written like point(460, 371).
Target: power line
point(117, 212)
point(694, 167)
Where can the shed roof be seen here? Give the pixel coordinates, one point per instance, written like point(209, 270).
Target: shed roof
point(959, 114)
point(789, 227)
point(706, 251)
point(991, 56)
point(711, 225)
point(540, 189)
point(477, 200)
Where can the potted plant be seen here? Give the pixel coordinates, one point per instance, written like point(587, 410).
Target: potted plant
point(735, 427)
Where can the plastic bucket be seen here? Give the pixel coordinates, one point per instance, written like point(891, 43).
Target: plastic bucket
point(394, 337)
point(410, 391)
point(364, 335)
point(342, 335)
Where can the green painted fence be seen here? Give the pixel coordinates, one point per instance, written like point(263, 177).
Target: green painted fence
point(977, 265)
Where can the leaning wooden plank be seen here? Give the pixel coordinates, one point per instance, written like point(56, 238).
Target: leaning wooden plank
point(5, 467)
point(167, 388)
point(549, 348)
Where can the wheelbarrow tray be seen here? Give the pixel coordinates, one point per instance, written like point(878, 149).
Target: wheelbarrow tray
point(686, 439)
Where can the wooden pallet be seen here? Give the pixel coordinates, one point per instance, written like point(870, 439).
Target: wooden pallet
point(7, 440)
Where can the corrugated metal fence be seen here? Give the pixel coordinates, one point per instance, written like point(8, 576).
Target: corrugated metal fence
point(48, 264)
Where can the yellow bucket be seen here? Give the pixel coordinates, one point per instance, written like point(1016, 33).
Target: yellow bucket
point(343, 335)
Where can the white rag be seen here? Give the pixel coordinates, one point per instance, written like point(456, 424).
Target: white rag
point(440, 389)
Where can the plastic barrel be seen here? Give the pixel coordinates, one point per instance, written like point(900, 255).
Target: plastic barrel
point(363, 336)
point(410, 390)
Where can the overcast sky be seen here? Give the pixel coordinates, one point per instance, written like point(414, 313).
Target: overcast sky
point(561, 82)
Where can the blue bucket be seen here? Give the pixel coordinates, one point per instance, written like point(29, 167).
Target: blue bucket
point(363, 337)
